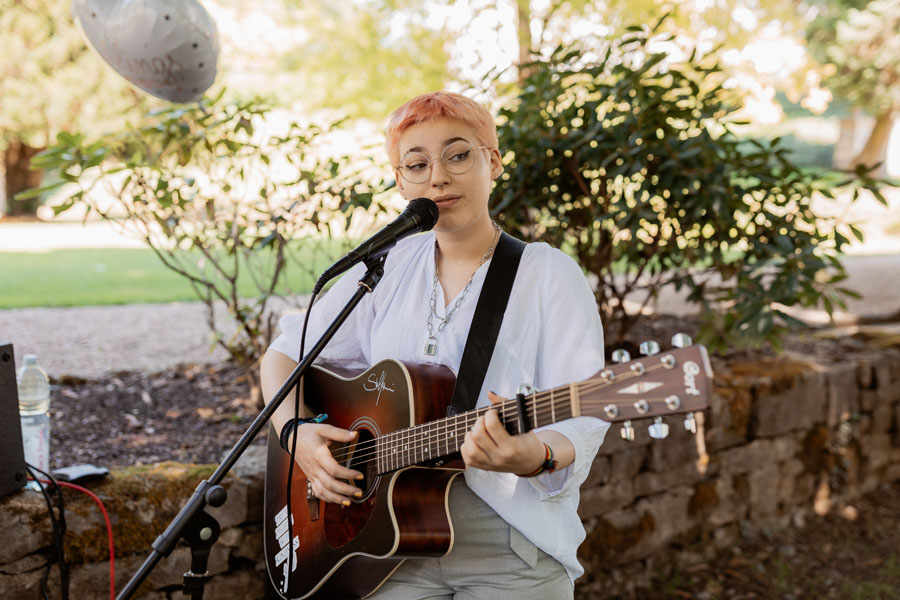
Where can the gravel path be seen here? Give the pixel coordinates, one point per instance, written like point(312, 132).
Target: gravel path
point(94, 341)
point(91, 342)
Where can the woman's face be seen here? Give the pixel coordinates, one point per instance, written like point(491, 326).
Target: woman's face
point(461, 199)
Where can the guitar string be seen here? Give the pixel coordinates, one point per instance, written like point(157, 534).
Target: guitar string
point(541, 404)
point(408, 452)
point(415, 442)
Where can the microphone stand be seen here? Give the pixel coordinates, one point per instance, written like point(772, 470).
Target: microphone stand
point(193, 523)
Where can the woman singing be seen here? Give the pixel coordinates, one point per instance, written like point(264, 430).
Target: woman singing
point(516, 529)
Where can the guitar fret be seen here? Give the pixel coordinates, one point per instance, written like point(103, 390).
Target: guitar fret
point(394, 449)
point(379, 468)
point(552, 407)
point(405, 448)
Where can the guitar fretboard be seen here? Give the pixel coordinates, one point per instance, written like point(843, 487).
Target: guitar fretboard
point(438, 439)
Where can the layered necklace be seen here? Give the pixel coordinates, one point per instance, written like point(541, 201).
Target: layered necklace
point(431, 344)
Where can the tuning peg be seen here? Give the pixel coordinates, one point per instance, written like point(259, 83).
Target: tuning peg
point(621, 356)
point(649, 348)
point(690, 423)
point(658, 430)
point(627, 431)
point(682, 340)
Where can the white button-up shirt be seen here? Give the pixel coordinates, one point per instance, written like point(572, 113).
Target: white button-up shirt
point(551, 335)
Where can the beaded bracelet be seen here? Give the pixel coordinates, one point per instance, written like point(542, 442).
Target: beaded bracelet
point(292, 425)
point(548, 466)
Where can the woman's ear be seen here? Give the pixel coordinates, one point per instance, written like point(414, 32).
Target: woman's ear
point(399, 181)
point(496, 164)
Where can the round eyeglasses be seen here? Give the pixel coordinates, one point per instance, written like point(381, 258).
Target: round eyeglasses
point(457, 158)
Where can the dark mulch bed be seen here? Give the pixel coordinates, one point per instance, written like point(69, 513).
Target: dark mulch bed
point(196, 413)
point(191, 414)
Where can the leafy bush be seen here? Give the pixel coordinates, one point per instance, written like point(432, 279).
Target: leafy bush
point(628, 162)
point(201, 178)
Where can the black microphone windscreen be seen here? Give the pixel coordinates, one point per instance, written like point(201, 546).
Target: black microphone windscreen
point(426, 211)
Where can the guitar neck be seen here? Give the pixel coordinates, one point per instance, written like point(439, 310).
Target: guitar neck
point(672, 383)
point(442, 438)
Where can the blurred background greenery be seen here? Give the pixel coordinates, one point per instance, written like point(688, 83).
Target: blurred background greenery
point(813, 82)
point(822, 73)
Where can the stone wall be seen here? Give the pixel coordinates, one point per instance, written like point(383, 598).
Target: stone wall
point(141, 501)
point(784, 439)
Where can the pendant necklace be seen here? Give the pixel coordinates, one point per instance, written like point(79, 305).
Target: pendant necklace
point(431, 344)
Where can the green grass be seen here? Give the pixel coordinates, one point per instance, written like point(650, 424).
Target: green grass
point(89, 277)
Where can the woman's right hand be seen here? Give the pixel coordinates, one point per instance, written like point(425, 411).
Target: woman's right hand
point(327, 477)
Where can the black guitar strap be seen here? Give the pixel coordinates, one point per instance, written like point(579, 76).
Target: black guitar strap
point(486, 323)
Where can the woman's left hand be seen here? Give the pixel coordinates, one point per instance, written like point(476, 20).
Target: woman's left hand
point(490, 447)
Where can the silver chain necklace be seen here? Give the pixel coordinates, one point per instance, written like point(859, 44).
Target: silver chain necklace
point(431, 344)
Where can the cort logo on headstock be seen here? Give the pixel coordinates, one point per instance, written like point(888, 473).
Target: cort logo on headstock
point(691, 370)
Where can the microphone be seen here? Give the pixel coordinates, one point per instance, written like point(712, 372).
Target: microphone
point(420, 215)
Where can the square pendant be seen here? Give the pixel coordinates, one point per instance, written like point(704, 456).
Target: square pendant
point(431, 347)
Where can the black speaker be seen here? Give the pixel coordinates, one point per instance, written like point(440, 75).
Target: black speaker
point(12, 456)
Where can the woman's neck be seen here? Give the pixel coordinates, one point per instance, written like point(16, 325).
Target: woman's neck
point(468, 244)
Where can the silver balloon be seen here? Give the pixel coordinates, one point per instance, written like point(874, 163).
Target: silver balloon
point(168, 48)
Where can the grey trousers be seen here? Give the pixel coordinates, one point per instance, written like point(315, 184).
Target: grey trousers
point(490, 561)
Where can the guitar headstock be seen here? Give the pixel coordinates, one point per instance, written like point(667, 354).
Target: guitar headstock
point(656, 385)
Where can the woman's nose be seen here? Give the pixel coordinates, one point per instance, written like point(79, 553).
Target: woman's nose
point(439, 175)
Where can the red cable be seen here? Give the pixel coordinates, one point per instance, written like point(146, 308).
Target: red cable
point(112, 555)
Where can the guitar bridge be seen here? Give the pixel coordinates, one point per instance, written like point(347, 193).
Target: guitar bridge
point(312, 502)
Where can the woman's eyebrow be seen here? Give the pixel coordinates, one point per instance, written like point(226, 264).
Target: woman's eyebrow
point(447, 142)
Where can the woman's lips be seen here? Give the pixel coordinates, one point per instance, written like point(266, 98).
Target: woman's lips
point(446, 200)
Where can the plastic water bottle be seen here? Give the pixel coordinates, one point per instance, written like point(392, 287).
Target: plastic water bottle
point(34, 406)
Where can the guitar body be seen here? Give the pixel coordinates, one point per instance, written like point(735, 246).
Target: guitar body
point(348, 552)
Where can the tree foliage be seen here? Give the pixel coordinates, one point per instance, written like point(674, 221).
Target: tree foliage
point(49, 80)
point(366, 58)
point(214, 194)
point(859, 42)
point(629, 163)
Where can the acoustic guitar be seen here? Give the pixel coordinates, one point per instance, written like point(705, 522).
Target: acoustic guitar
point(405, 442)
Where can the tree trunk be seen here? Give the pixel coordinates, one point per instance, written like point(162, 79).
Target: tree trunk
point(845, 147)
point(523, 24)
point(20, 177)
point(875, 149)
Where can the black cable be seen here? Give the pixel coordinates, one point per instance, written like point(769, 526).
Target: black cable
point(290, 475)
point(60, 548)
point(58, 526)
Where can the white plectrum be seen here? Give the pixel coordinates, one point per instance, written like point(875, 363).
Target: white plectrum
point(168, 48)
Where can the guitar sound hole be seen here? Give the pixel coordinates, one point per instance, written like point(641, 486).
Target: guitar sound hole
point(362, 459)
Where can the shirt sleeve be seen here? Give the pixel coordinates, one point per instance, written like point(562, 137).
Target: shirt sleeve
point(346, 348)
point(571, 350)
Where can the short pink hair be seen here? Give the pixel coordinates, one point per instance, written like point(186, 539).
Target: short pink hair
point(436, 105)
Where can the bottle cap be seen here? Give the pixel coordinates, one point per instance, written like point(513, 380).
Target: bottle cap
point(29, 359)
